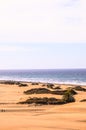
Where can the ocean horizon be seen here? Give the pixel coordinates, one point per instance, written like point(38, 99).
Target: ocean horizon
point(61, 76)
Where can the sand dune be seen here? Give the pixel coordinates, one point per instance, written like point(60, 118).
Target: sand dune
point(71, 116)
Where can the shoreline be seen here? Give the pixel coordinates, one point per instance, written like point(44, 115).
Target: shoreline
point(22, 81)
point(58, 76)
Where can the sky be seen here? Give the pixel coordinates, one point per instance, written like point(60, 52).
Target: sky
point(42, 34)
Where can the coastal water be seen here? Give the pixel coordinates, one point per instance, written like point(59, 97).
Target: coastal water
point(66, 76)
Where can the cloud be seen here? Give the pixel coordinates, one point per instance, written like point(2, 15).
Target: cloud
point(42, 21)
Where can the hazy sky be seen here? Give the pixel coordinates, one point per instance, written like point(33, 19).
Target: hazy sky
point(42, 34)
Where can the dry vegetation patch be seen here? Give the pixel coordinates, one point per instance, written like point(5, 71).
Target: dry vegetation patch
point(43, 101)
point(84, 100)
point(66, 98)
point(47, 91)
point(23, 85)
point(10, 82)
point(79, 88)
point(37, 91)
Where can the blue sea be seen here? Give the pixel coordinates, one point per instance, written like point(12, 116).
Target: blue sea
point(65, 76)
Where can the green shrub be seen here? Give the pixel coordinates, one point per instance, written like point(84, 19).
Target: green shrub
point(68, 96)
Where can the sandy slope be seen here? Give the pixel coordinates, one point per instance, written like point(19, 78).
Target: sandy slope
point(13, 116)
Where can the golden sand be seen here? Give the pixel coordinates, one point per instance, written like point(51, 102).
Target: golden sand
point(13, 116)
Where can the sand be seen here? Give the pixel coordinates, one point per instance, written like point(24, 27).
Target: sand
point(13, 116)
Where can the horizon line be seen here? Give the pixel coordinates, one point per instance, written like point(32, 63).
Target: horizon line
point(44, 69)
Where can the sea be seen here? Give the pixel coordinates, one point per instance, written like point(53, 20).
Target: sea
point(61, 76)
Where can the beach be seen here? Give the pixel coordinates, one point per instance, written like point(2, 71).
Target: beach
point(17, 116)
point(42, 65)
